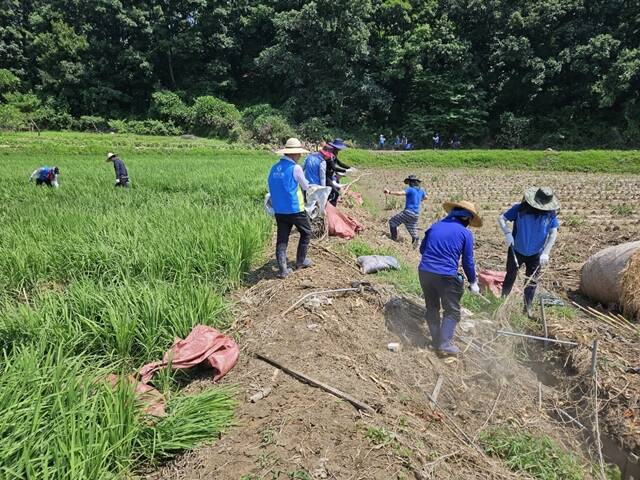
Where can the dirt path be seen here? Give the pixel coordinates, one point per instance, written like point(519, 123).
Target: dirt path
point(300, 432)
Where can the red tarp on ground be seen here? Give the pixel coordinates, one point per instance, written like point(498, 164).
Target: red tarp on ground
point(492, 281)
point(357, 197)
point(203, 345)
point(340, 224)
point(151, 398)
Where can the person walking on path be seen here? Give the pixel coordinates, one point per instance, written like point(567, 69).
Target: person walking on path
point(286, 185)
point(122, 176)
point(414, 196)
point(315, 167)
point(444, 244)
point(381, 141)
point(46, 176)
point(535, 230)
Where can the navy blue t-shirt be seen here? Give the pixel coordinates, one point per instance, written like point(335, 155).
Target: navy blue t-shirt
point(414, 196)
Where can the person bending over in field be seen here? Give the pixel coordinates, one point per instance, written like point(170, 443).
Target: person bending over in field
point(535, 229)
point(414, 196)
point(444, 244)
point(122, 176)
point(46, 176)
point(286, 185)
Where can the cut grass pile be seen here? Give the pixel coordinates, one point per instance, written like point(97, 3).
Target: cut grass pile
point(95, 280)
point(597, 161)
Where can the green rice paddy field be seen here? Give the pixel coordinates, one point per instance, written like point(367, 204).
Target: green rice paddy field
point(95, 280)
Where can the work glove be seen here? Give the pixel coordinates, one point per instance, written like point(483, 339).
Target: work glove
point(352, 170)
point(544, 259)
point(474, 288)
point(508, 238)
point(386, 191)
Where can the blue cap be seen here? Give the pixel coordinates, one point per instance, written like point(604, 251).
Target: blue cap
point(338, 144)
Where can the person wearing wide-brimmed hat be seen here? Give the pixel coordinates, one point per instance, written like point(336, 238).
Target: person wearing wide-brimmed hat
point(122, 176)
point(414, 196)
point(535, 229)
point(286, 185)
point(335, 167)
point(445, 243)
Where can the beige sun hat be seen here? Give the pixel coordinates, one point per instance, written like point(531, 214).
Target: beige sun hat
point(292, 146)
point(476, 220)
point(541, 198)
point(109, 155)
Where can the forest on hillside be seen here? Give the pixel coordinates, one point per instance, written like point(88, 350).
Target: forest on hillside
point(547, 73)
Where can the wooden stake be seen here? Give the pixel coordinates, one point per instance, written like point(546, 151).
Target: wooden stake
point(436, 391)
point(544, 322)
point(316, 383)
point(594, 357)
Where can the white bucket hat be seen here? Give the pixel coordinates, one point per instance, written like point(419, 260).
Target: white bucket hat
point(109, 155)
point(292, 146)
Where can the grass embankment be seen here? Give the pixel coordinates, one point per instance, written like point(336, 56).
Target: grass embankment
point(596, 161)
point(95, 280)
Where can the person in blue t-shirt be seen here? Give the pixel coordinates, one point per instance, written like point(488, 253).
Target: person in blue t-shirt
point(46, 176)
point(414, 196)
point(535, 229)
point(286, 185)
point(444, 244)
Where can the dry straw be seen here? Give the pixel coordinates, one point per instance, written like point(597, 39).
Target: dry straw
point(630, 287)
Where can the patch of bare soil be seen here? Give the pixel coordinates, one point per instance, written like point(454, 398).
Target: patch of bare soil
point(594, 215)
point(297, 431)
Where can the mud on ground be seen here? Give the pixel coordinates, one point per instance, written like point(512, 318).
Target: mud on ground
point(298, 430)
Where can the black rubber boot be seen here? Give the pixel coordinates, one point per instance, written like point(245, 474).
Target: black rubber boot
point(283, 268)
point(394, 232)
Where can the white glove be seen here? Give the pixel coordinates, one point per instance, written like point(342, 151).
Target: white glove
point(508, 238)
point(352, 170)
point(544, 259)
point(475, 289)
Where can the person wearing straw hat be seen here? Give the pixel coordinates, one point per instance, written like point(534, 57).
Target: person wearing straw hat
point(535, 229)
point(445, 243)
point(122, 176)
point(414, 196)
point(286, 186)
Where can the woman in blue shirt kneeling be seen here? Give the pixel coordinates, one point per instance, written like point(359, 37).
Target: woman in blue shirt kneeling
point(444, 244)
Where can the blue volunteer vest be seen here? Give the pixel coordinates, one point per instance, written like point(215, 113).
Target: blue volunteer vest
point(286, 194)
point(43, 176)
point(312, 168)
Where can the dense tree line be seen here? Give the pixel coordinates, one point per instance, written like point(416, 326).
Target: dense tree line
point(509, 72)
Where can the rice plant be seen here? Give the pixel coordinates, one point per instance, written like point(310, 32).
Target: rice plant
point(95, 281)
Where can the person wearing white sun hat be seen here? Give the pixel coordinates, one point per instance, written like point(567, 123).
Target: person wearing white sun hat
point(122, 176)
point(286, 186)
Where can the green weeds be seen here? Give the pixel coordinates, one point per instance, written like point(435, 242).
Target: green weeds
point(605, 161)
point(536, 456)
point(623, 210)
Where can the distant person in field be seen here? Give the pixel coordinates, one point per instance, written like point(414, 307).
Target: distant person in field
point(444, 244)
point(529, 243)
point(396, 142)
point(315, 166)
point(455, 142)
point(122, 176)
point(381, 141)
point(435, 140)
point(414, 196)
point(286, 186)
point(335, 168)
point(46, 176)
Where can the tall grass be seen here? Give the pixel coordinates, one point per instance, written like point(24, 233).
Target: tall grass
point(95, 280)
point(601, 161)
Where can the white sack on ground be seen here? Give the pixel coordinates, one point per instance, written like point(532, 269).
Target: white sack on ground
point(602, 272)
